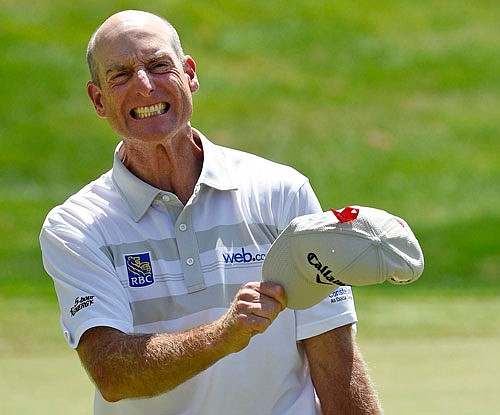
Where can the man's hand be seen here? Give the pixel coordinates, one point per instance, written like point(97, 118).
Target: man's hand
point(141, 365)
point(254, 308)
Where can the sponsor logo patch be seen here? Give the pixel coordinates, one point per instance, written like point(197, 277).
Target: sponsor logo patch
point(242, 257)
point(140, 272)
point(81, 303)
point(341, 294)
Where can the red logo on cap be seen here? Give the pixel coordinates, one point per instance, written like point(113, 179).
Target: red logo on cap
point(347, 214)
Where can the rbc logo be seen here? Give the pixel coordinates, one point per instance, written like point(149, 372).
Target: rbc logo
point(140, 272)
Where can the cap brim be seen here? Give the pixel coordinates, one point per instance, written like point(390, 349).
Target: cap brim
point(317, 253)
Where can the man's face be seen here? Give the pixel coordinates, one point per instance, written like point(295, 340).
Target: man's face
point(145, 89)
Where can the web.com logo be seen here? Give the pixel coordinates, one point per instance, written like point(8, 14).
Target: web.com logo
point(242, 257)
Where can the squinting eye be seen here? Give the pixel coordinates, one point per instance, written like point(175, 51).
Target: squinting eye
point(159, 67)
point(119, 77)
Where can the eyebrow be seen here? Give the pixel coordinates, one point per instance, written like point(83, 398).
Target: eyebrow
point(115, 67)
point(161, 54)
point(154, 57)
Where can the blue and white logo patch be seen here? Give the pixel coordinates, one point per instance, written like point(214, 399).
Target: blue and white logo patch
point(341, 294)
point(139, 269)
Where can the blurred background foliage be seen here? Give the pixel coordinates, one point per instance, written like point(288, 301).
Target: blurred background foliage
point(392, 104)
point(380, 103)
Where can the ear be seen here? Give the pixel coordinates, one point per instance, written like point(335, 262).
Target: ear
point(190, 71)
point(95, 96)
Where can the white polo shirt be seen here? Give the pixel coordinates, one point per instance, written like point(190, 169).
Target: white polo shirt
point(127, 255)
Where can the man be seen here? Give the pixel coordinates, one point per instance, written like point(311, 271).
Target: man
point(157, 264)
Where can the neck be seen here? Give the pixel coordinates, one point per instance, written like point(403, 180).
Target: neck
point(173, 166)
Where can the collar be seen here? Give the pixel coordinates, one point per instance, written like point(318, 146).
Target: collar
point(138, 195)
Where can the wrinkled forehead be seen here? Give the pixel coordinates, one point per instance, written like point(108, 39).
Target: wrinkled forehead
point(132, 33)
point(132, 19)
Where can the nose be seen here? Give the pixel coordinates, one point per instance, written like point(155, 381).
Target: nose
point(145, 85)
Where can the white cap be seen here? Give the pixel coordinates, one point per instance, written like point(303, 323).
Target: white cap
point(317, 253)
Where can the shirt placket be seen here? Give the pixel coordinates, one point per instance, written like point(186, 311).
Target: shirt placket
point(187, 243)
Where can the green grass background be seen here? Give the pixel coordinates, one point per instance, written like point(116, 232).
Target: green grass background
point(393, 104)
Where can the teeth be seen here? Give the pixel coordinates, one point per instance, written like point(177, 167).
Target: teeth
point(145, 112)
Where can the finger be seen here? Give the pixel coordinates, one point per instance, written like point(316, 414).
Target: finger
point(252, 293)
point(273, 290)
point(254, 323)
point(253, 302)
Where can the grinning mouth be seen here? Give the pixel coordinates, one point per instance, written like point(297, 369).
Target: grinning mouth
point(140, 113)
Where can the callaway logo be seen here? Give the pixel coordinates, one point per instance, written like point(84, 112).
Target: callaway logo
point(325, 274)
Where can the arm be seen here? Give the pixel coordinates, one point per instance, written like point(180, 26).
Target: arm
point(134, 365)
point(339, 374)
